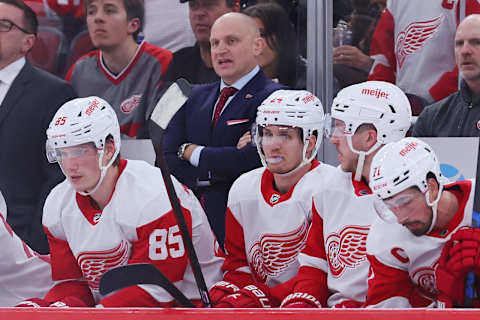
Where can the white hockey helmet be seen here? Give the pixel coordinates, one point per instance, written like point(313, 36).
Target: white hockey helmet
point(80, 121)
point(401, 165)
point(379, 103)
point(294, 108)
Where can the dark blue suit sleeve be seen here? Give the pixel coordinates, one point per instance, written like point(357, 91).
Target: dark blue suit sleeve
point(173, 137)
point(227, 163)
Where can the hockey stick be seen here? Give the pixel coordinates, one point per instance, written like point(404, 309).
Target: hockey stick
point(140, 273)
point(470, 280)
point(167, 106)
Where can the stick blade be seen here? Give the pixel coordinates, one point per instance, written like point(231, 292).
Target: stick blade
point(140, 273)
point(170, 102)
point(126, 276)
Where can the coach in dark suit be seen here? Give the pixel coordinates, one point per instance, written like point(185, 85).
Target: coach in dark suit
point(29, 97)
point(207, 143)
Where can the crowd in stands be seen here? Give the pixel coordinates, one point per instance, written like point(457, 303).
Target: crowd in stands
point(272, 226)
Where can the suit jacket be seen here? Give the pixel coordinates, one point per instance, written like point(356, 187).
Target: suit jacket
point(220, 161)
point(26, 176)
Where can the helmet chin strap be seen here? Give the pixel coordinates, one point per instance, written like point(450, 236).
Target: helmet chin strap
point(361, 156)
point(434, 206)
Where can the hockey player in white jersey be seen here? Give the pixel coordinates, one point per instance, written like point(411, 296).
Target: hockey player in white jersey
point(419, 212)
point(111, 212)
point(334, 266)
point(269, 208)
point(23, 272)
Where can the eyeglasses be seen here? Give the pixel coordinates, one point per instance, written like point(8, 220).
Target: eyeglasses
point(7, 25)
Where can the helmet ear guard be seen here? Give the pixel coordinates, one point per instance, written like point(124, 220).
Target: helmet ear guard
point(294, 108)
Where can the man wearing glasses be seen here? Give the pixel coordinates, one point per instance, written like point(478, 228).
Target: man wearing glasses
point(29, 97)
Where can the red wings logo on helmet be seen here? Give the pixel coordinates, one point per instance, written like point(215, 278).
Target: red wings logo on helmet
point(347, 249)
point(414, 37)
point(95, 264)
point(273, 253)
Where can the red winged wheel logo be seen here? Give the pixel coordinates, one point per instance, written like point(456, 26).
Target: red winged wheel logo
point(346, 249)
point(95, 264)
point(414, 37)
point(273, 253)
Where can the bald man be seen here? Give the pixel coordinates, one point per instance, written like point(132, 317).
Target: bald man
point(207, 144)
point(458, 115)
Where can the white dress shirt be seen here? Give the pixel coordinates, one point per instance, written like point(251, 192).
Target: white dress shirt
point(7, 75)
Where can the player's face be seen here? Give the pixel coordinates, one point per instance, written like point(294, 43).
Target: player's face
point(467, 50)
point(346, 157)
point(13, 43)
point(234, 47)
point(411, 210)
point(108, 25)
point(203, 14)
point(283, 148)
point(80, 165)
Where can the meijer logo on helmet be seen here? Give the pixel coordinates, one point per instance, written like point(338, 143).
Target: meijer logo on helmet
point(308, 98)
point(379, 94)
point(411, 146)
point(92, 107)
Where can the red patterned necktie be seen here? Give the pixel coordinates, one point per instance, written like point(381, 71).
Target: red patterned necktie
point(224, 95)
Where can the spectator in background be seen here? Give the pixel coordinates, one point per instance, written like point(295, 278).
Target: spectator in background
point(412, 48)
point(28, 98)
point(459, 114)
point(126, 74)
point(167, 25)
point(352, 61)
point(195, 63)
point(207, 143)
point(279, 59)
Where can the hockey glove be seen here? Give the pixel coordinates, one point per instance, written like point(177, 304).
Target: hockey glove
point(221, 289)
point(450, 284)
point(33, 303)
point(300, 300)
point(251, 296)
point(464, 255)
point(66, 302)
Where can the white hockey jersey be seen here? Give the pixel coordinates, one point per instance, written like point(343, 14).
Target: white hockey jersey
point(413, 47)
point(24, 274)
point(402, 273)
point(137, 225)
point(336, 245)
point(265, 230)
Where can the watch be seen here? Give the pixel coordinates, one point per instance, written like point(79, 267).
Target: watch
point(181, 150)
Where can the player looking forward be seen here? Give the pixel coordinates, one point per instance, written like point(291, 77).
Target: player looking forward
point(269, 208)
